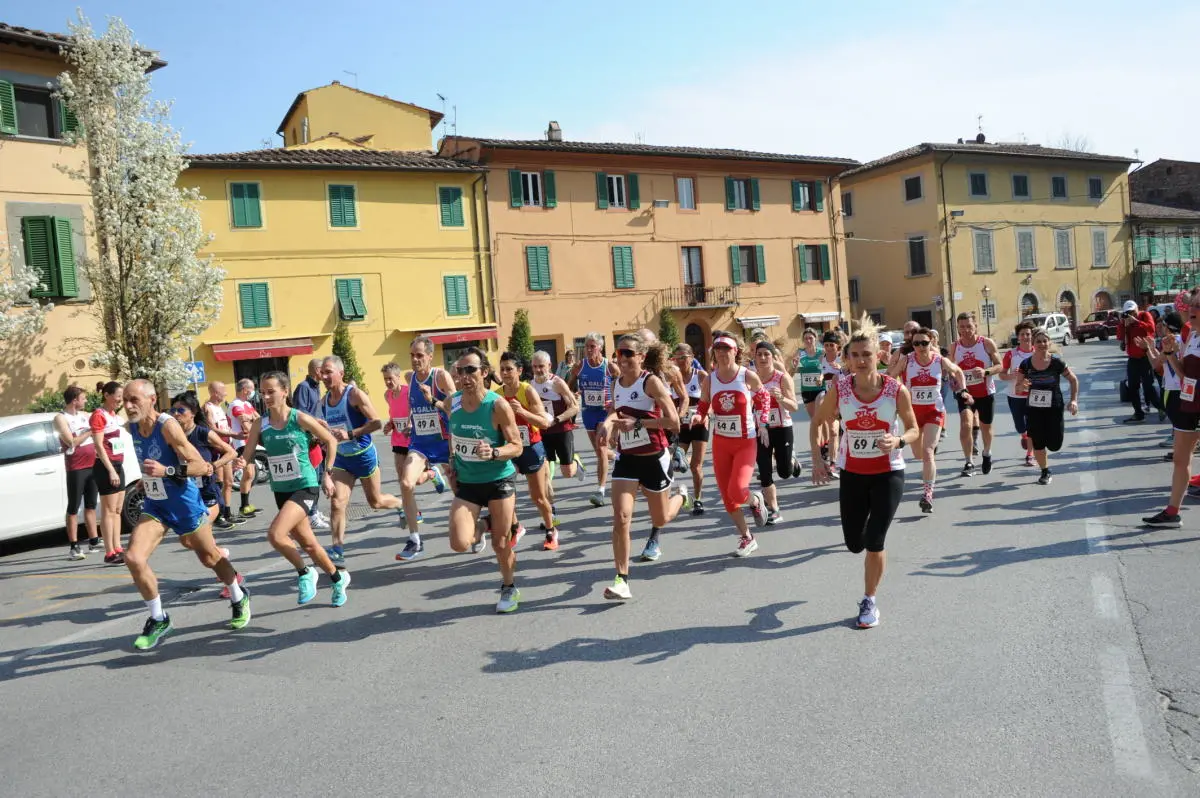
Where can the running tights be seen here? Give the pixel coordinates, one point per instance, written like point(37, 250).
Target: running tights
point(1017, 406)
point(779, 449)
point(868, 504)
point(733, 462)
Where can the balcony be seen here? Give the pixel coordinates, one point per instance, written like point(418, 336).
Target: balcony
point(700, 297)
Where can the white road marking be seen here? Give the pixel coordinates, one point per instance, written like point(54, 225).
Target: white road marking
point(1130, 754)
point(1105, 599)
point(1097, 540)
point(1102, 385)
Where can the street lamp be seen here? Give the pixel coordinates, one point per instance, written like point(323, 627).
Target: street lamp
point(987, 308)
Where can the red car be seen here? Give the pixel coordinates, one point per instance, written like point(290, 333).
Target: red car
point(1102, 324)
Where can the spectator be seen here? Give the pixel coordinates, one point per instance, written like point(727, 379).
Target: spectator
point(307, 396)
point(568, 363)
point(1138, 371)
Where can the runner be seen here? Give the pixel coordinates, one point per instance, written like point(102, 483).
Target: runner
point(779, 443)
point(691, 439)
point(531, 418)
point(398, 424)
point(735, 396)
point(979, 360)
point(428, 445)
point(1172, 325)
point(307, 399)
point(212, 448)
point(75, 434)
point(831, 369)
point(484, 440)
point(558, 439)
point(350, 417)
point(807, 363)
point(172, 504)
point(1018, 399)
point(109, 469)
point(242, 414)
point(218, 421)
point(1039, 381)
point(1139, 325)
point(924, 371)
point(592, 377)
point(871, 457)
point(285, 433)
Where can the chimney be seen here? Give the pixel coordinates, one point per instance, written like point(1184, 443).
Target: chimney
point(553, 132)
point(337, 83)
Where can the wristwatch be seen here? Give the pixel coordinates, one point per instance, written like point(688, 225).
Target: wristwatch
point(495, 453)
point(637, 424)
point(170, 471)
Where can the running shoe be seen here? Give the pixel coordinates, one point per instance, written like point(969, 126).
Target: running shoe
point(746, 547)
point(618, 590)
point(676, 459)
point(834, 473)
point(153, 633)
point(241, 580)
point(968, 470)
point(116, 558)
point(773, 516)
point(681, 490)
point(1162, 416)
point(1194, 491)
point(580, 471)
point(336, 554)
point(319, 520)
point(241, 611)
point(598, 498)
point(1164, 519)
point(697, 507)
point(652, 551)
point(221, 522)
point(1044, 479)
point(987, 464)
point(515, 533)
point(236, 520)
point(95, 545)
point(510, 599)
point(481, 529)
point(1026, 444)
point(306, 586)
point(1168, 457)
point(338, 596)
point(439, 481)
point(1135, 419)
point(248, 511)
point(868, 614)
point(796, 467)
point(76, 554)
point(1169, 443)
point(412, 550)
point(757, 508)
point(551, 541)
point(1029, 458)
point(926, 504)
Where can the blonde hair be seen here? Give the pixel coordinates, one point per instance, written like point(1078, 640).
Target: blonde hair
point(867, 331)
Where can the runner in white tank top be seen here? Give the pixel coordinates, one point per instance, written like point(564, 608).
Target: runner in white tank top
point(692, 441)
point(1018, 399)
point(980, 362)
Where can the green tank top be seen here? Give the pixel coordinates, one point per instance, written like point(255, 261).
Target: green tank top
point(467, 429)
point(809, 371)
point(287, 455)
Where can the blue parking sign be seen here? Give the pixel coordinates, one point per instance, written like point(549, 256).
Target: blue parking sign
point(195, 371)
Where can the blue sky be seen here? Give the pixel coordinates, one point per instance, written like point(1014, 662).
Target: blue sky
point(853, 79)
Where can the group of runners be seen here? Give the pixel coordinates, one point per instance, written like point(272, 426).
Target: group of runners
point(655, 414)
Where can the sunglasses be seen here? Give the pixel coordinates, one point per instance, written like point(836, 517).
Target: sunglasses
point(461, 370)
point(626, 352)
point(920, 343)
point(178, 411)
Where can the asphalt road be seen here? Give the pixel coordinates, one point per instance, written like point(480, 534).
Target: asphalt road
point(1034, 641)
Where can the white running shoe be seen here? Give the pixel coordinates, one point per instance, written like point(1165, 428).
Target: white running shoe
point(618, 590)
point(746, 547)
point(598, 499)
point(681, 490)
point(757, 505)
point(318, 520)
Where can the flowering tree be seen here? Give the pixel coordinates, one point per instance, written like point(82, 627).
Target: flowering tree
point(15, 284)
point(152, 293)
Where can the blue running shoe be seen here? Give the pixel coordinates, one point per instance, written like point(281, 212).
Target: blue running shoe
point(339, 589)
point(652, 551)
point(336, 554)
point(439, 482)
point(868, 614)
point(306, 586)
point(412, 550)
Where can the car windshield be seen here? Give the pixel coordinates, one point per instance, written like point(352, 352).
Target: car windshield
point(1101, 316)
point(1038, 320)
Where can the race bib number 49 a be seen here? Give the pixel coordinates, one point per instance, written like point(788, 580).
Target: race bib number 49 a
point(728, 426)
point(283, 467)
point(864, 443)
point(426, 423)
point(924, 394)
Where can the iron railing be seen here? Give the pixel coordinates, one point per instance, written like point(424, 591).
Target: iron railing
point(700, 296)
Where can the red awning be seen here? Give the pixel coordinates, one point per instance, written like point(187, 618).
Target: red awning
point(255, 350)
point(459, 336)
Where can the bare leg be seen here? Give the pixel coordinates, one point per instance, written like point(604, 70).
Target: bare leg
point(600, 447)
point(697, 467)
point(623, 494)
point(412, 473)
point(343, 483)
point(110, 521)
point(966, 419)
point(375, 495)
point(538, 483)
point(1185, 444)
point(145, 539)
point(873, 571)
point(501, 511)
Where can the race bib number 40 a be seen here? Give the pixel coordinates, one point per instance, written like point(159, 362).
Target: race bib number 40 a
point(728, 426)
point(593, 397)
point(924, 394)
point(466, 449)
point(155, 488)
point(426, 423)
point(283, 467)
point(1187, 390)
point(633, 438)
point(864, 443)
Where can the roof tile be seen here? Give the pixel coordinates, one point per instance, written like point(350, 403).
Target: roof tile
point(974, 148)
point(1146, 210)
point(52, 41)
point(280, 158)
point(614, 148)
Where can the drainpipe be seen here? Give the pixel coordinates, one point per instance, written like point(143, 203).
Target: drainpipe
point(948, 299)
point(837, 283)
point(475, 236)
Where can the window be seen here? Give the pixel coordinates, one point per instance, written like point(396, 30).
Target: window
point(450, 204)
point(983, 251)
point(853, 283)
point(1062, 249)
point(1099, 247)
point(978, 184)
point(537, 268)
point(808, 195)
point(1026, 251)
point(847, 204)
point(531, 189)
point(28, 442)
point(617, 191)
point(578, 345)
point(1095, 188)
point(244, 199)
point(254, 300)
point(50, 254)
point(814, 262)
point(922, 317)
point(693, 265)
point(351, 306)
point(1020, 186)
point(741, 194)
point(458, 303)
point(916, 257)
point(685, 193)
point(876, 316)
point(32, 111)
point(1189, 247)
point(912, 188)
point(1058, 187)
point(747, 264)
point(622, 264)
point(342, 209)
point(988, 310)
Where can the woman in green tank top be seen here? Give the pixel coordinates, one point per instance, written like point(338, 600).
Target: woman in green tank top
point(484, 440)
point(285, 433)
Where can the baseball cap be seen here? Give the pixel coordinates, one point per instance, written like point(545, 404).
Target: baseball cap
point(1129, 307)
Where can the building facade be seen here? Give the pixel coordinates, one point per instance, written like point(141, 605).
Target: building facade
point(1001, 230)
point(1165, 215)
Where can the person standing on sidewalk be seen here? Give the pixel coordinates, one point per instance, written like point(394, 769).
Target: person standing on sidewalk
point(1138, 325)
point(75, 434)
point(307, 399)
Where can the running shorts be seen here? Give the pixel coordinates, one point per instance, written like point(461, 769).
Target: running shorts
point(181, 520)
point(531, 459)
point(651, 471)
point(361, 465)
point(435, 449)
point(808, 397)
point(592, 416)
point(985, 406)
point(305, 497)
point(868, 503)
point(929, 414)
point(209, 491)
point(689, 434)
point(559, 447)
point(400, 450)
point(1181, 420)
point(480, 493)
point(103, 486)
point(1045, 427)
point(81, 485)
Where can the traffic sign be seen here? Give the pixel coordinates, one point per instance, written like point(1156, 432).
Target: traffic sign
point(937, 301)
point(195, 371)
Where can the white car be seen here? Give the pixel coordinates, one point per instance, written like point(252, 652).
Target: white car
point(33, 473)
point(1057, 326)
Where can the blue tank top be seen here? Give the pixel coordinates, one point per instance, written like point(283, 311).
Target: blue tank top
point(426, 421)
point(198, 437)
point(168, 491)
point(348, 417)
point(594, 384)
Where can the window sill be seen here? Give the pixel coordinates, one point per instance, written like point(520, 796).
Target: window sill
point(912, 276)
point(983, 271)
point(33, 139)
point(1064, 268)
point(523, 207)
point(1026, 271)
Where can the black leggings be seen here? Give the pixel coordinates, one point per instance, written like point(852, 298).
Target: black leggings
point(868, 504)
point(81, 484)
point(781, 444)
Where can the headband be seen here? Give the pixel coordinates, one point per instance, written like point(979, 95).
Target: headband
point(724, 340)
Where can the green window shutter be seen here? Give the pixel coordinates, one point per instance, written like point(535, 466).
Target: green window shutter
point(245, 199)
point(351, 306)
point(342, 212)
point(631, 188)
point(8, 108)
point(255, 303)
point(735, 264)
point(761, 263)
point(64, 253)
point(622, 258)
point(825, 272)
point(451, 200)
point(730, 195)
point(537, 268)
point(515, 197)
point(549, 192)
point(1141, 249)
point(464, 299)
point(755, 203)
point(601, 190)
point(544, 267)
point(457, 301)
point(38, 233)
point(797, 199)
point(67, 121)
point(802, 257)
point(350, 206)
point(818, 195)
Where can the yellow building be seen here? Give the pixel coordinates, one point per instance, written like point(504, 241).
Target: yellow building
point(606, 237)
point(47, 218)
point(1003, 230)
point(331, 228)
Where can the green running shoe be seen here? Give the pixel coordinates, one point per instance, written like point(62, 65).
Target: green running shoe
point(306, 584)
point(510, 599)
point(152, 633)
point(339, 588)
point(241, 611)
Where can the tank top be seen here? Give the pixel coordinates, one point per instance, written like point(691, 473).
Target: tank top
point(109, 426)
point(971, 357)
point(198, 438)
point(829, 372)
point(810, 370)
point(692, 389)
point(287, 455)
point(777, 417)
point(168, 492)
point(236, 408)
point(428, 423)
point(467, 429)
point(595, 383)
point(1189, 397)
point(397, 402)
point(527, 398)
point(925, 382)
point(81, 455)
point(1013, 359)
point(731, 408)
point(346, 416)
point(1170, 378)
point(634, 401)
point(216, 415)
point(865, 423)
point(555, 405)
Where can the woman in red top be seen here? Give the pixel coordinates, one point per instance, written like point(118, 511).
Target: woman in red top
point(109, 470)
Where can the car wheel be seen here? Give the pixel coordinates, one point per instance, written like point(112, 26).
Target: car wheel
point(1104, 336)
point(131, 507)
point(261, 472)
point(1066, 340)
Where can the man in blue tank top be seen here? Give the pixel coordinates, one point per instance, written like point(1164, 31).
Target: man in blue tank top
point(348, 413)
point(172, 503)
point(592, 379)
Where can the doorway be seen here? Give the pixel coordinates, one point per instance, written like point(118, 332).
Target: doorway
point(254, 369)
point(1066, 305)
point(693, 335)
point(1102, 301)
point(923, 317)
point(550, 347)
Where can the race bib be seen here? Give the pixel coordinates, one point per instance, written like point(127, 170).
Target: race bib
point(283, 467)
point(1188, 391)
point(401, 425)
point(971, 378)
point(548, 406)
point(774, 417)
point(524, 435)
point(426, 422)
point(117, 445)
point(197, 481)
point(686, 419)
point(811, 381)
point(593, 398)
point(154, 488)
point(924, 394)
point(1040, 398)
point(863, 443)
point(466, 449)
point(633, 438)
point(728, 426)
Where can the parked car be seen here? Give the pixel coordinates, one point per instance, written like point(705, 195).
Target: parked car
point(33, 472)
point(895, 336)
point(1056, 324)
point(1102, 324)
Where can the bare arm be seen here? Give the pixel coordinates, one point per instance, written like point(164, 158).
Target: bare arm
point(1073, 381)
point(506, 422)
point(189, 458)
point(329, 443)
point(64, 432)
point(361, 401)
point(787, 394)
point(899, 363)
point(564, 390)
point(990, 347)
point(226, 453)
point(658, 392)
point(827, 411)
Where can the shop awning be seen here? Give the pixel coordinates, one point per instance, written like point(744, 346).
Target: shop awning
point(255, 350)
point(754, 322)
point(828, 316)
point(461, 336)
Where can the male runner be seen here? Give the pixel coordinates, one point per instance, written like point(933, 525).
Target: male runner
point(592, 378)
point(428, 445)
point(980, 362)
point(242, 414)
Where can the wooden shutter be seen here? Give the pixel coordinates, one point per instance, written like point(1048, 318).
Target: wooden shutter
point(515, 195)
point(549, 190)
point(38, 233)
point(631, 190)
point(450, 199)
point(246, 210)
point(537, 267)
point(826, 274)
point(622, 258)
point(818, 189)
point(67, 121)
point(797, 196)
point(735, 264)
point(351, 305)
point(760, 263)
point(802, 257)
point(64, 255)
point(730, 195)
point(755, 202)
point(601, 191)
point(255, 302)
point(8, 108)
point(457, 301)
point(342, 211)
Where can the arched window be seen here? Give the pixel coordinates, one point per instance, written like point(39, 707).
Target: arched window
point(1066, 306)
point(693, 334)
point(1029, 304)
point(1102, 301)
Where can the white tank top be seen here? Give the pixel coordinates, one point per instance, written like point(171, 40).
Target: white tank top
point(865, 423)
point(548, 394)
point(636, 401)
point(1015, 358)
point(692, 387)
point(77, 424)
point(777, 417)
point(975, 356)
point(731, 408)
point(1170, 378)
point(925, 382)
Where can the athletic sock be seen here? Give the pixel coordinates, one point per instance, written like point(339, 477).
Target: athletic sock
point(623, 577)
point(987, 452)
point(552, 469)
point(653, 533)
point(336, 576)
point(93, 541)
point(415, 538)
point(303, 571)
point(245, 500)
point(235, 591)
point(1172, 510)
point(155, 607)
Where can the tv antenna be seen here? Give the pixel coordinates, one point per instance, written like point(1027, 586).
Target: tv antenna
point(352, 74)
